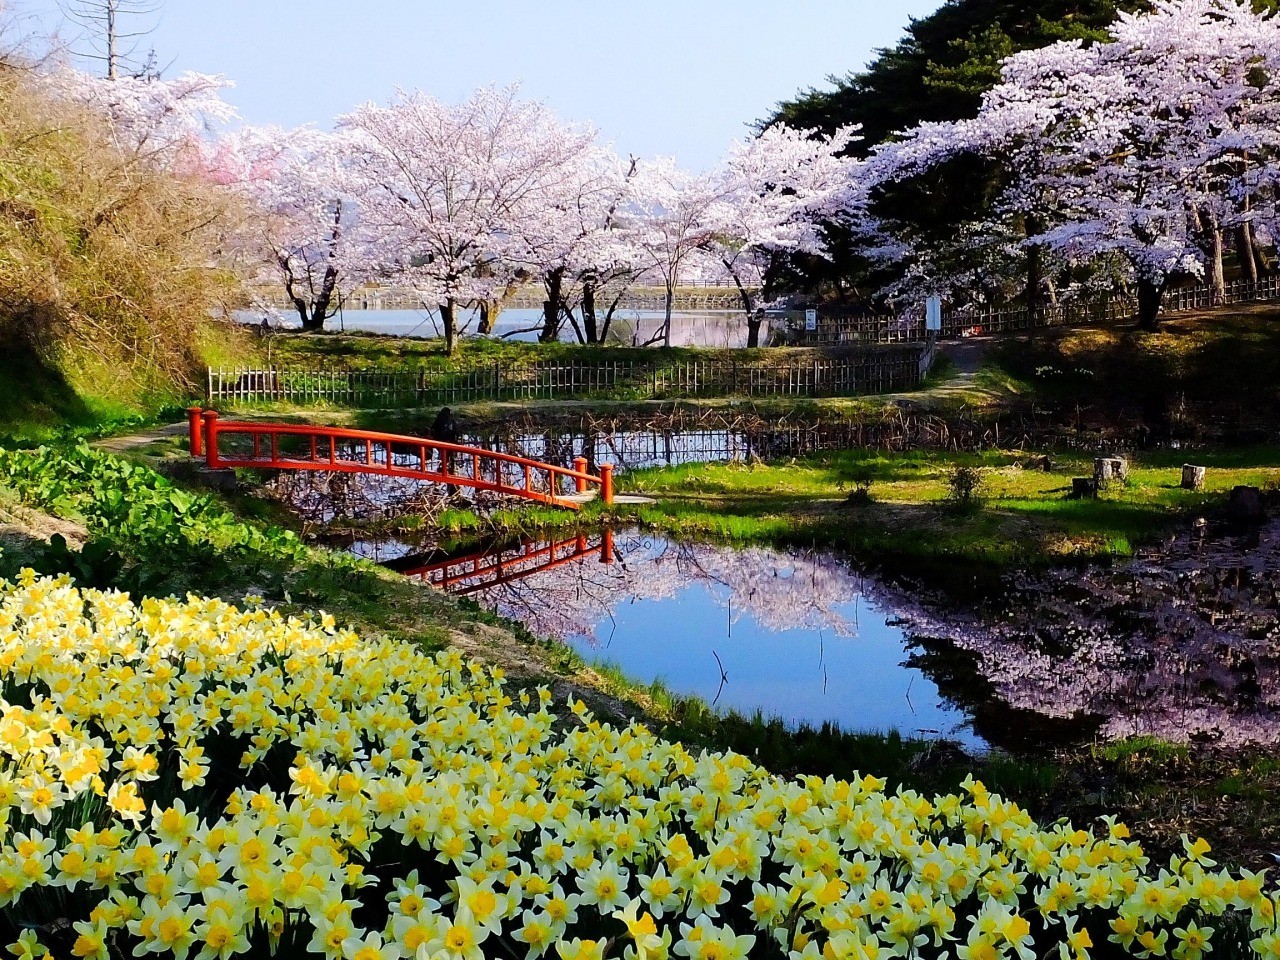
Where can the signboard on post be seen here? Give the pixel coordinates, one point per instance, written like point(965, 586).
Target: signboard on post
point(811, 319)
point(933, 315)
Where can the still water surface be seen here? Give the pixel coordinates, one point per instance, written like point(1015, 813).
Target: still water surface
point(797, 635)
point(713, 328)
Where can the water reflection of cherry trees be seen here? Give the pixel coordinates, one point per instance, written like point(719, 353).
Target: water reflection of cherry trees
point(1182, 644)
point(781, 591)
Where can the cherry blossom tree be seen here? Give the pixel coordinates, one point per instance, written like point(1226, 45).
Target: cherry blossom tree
point(581, 246)
point(677, 217)
point(294, 177)
point(169, 123)
point(1132, 149)
point(450, 195)
point(778, 188)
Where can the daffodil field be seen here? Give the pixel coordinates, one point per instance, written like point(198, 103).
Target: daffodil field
point(194, 779)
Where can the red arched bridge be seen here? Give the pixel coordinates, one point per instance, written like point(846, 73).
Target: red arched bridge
point(286, 446)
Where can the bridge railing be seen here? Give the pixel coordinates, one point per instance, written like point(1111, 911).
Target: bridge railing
point(281, 446)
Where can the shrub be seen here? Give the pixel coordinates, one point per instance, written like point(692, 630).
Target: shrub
point(964, 483)
point(106, 278)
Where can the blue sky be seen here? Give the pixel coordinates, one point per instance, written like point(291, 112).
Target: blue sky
point(656, 76)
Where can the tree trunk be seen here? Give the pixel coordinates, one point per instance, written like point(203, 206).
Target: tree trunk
point(1209, 237)
point(1245, 253)
point(314, 322)
point(1150, 297)
point(488, 315)
point(1217, 275)
point(666, 323)
point(589, 324)
point(551, 306)
point(754, 322)
point(1035, 265)
point(449, 322)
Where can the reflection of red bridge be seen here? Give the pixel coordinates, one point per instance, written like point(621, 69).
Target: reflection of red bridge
point(283, 446)
point(491, 568)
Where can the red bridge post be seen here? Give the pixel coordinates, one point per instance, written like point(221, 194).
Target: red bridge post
point(211, 439)
point(606, 482)
point(580, 466)
point(195, 431)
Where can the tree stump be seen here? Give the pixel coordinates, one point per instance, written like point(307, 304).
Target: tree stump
point(1192, 477)
point(1110, 469)
point(1084, 488)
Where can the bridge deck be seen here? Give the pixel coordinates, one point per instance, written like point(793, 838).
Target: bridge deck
point(281, 446)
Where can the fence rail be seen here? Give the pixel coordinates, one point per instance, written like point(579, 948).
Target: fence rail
point(876, 371)
point(967, 323)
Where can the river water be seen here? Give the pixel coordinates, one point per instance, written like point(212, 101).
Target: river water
point(718, 328)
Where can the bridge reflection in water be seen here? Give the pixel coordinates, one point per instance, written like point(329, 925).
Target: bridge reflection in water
point(489, 567)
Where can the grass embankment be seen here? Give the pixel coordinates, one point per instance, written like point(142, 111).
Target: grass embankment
point(1200, 367)
point(106, 281)
point(901, 506)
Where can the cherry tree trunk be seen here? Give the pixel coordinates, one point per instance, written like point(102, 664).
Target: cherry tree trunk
point(1035, 276)
point(590, 326)
point(1150, 298)
point(489, 310)
point(1035, 264)
point(550, 332)
point(1245, 253)
point(666, 323)
point(754, 321)
point(449, 321)
point(1217, 275)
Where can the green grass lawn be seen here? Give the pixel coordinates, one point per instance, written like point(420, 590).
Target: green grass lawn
point(1020, 514)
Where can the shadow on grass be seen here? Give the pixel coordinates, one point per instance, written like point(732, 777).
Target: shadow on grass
point(35, 396)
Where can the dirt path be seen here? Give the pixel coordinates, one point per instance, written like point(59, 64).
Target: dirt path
point(966, 355)
point(135, 441)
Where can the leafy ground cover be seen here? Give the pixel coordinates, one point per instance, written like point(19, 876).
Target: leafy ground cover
point(192, 776)
point(148, 535)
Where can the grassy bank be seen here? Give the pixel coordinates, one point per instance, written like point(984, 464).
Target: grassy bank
point(72, 391)
point(902, 507)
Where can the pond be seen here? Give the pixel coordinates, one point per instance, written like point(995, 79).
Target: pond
point(1182, 643)
point(798, 635)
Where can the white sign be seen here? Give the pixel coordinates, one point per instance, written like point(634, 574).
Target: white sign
point(933, 313)
point(811, 319)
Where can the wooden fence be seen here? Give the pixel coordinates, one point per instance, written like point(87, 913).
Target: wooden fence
point(874, 371)
point(973, 322)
